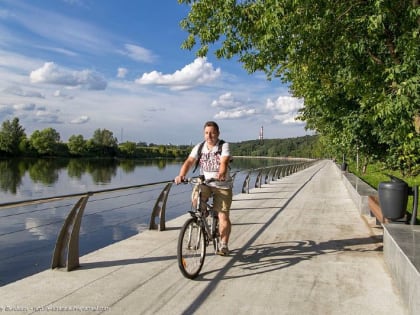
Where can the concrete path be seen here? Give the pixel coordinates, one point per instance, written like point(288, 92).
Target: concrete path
point(299, 246)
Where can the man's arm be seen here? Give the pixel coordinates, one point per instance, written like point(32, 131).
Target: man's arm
point(190, 161)
point(224, 166)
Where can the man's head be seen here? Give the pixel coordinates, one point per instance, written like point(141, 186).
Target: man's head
point(211, 132)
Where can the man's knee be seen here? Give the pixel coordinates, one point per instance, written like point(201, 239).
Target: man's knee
point(224, 216)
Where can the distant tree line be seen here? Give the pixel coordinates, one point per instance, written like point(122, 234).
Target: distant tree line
point(47, 143)
point(302, 147)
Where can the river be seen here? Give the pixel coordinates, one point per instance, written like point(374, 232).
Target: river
point(28, 233)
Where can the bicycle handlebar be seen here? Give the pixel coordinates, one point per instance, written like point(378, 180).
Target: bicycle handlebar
point(198, 180)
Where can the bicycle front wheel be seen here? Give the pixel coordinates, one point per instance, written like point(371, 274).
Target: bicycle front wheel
point(191, 249)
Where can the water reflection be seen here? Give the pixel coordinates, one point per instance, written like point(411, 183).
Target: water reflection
point(11, 175)
point(28, 233)
point(25, 174)
point(16, 173)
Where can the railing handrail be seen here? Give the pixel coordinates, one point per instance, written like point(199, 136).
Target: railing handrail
point(12, 204)
point(66, 252)
point(60, 197)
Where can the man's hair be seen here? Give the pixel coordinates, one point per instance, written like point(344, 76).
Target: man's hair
point(211, 124)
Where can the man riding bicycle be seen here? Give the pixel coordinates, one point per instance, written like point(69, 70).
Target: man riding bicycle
point(213, 157)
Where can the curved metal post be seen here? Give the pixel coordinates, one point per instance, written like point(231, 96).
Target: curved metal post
point(159, 209)
point(267, 176)
point(66, 251)
point(275, 174)
point(245, 185)
point(258, 180)
point(234, 176)
point(286, 170)
point(281, 171)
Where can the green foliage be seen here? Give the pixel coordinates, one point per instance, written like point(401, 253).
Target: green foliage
point(303, 147)
point(128, 149)
point(355, 64)
point(13, 142)
point(45, 142)
point(77, 145)
point(11, 136)
point(103, 143)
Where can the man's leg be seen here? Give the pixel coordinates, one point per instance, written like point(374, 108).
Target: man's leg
point(224, 227)
point(222, 202)
point(205, 194)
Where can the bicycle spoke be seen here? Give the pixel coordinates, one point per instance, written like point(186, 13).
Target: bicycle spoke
point(191, 249)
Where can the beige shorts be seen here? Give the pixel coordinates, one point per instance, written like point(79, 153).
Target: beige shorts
point(222, 198)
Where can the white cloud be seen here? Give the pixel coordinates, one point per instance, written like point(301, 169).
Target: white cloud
point(59, 50)
point(122, 72)
point(51, 73)
point(24, 107)
point(233, 108)
point(284, 104)
point(138, 53)
point(226, 101)
point(17, 63)
point(46, 117)
point(291, 120)
point(284, 109)
point(80, 120)
point(59, 93)
point(15, 90)
point(200, 72)
point(236, 113)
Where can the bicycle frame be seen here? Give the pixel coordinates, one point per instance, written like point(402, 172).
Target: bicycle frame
point(202, 217)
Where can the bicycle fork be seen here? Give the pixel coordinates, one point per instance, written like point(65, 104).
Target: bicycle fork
point(191, 234)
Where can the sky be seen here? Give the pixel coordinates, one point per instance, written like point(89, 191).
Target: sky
point(82, 65)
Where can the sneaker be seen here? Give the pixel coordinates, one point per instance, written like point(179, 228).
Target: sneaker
point(223, 250)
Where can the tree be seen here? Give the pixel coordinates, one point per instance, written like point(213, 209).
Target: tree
point(105, 142)
point(355, 63)
point(11, 136)
point(128, 149)
point(77, 145)
point(45, 142)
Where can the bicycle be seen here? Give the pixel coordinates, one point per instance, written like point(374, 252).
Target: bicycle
point(197, 233)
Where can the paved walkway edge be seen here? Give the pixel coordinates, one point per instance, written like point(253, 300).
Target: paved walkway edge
point(400, 245)
point(299, 246)
point(398, 241)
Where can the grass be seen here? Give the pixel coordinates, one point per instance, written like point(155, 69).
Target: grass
point(376, 173)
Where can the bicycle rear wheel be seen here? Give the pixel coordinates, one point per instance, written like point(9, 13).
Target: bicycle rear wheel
point(191, 249)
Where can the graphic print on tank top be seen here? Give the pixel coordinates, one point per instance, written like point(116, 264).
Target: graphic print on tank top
point(210, 162)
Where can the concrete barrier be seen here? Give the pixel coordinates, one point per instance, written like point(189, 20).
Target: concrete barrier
point(400, 242)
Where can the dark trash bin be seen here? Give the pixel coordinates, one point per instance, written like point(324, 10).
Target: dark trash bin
point(393, 198)
point(344, 167)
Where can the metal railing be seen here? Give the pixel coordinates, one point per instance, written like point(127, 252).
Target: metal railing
point(66, 251)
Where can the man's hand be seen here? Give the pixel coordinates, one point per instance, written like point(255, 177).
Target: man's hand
point(179, 179)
